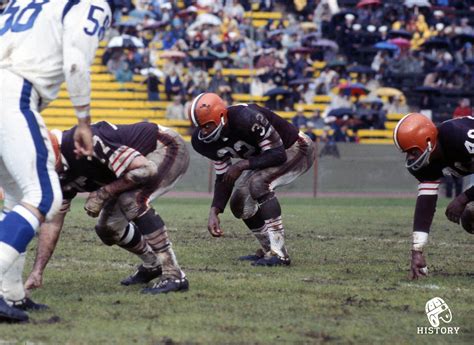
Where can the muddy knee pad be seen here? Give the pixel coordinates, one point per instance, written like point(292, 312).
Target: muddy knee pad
point(269, 206)
point(108, 235)
point(131, 204)
point(242, 205)
point(258, 187)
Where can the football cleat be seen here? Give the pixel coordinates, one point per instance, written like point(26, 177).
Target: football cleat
point(259, 254)
point(142, 275)
point(273, 260)
point(10, 314)
point(28, 304)
point(166, 285)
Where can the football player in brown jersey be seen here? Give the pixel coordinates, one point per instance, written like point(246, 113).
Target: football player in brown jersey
point(271, 153)
point(432, 152)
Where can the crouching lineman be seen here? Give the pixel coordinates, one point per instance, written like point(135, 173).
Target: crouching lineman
point(272, 154)
point(432, 152)
point(131, 165)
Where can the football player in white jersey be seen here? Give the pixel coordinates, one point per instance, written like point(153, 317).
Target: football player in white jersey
point(42, 44)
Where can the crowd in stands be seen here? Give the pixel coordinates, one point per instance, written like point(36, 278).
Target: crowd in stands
point(346, 49)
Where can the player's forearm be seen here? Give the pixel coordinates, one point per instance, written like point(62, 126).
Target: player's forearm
point(222, 193)
point(47, 241)
point(424, 212)
point(269, 158)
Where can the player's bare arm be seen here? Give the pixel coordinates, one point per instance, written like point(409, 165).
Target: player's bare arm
point(47, 240)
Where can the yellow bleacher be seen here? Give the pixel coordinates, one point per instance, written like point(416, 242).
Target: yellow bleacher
point(123, 103)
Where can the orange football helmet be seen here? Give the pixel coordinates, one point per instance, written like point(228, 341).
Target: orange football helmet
point(206, 108)
point(55, 137)
point(416, 131)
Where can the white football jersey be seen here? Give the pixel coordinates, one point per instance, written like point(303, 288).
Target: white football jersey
point(48, 42)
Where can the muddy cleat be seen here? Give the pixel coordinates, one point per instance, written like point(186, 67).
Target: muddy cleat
point(10, 314)
point(28, 304)
point(273, 260)
point(259, 254)
point(143, 275)
point(166, 285)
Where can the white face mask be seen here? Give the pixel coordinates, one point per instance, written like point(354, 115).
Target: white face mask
point(214, 135)
point(421, 161)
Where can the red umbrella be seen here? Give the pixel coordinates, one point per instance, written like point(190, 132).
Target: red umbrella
point(402, 43)
point(363, 3)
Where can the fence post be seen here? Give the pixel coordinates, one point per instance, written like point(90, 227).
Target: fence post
point(315, 170)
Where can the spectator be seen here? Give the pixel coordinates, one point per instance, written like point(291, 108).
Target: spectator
point(124, 74)
point(152, 82)
point(175, 110)
point(299, 120)
point(173, 85)
point(463, 109)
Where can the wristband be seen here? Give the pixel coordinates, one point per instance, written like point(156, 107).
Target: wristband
point(420, 239)
point(83, 113)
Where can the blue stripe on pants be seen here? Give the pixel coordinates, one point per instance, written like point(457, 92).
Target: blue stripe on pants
point(47, 194)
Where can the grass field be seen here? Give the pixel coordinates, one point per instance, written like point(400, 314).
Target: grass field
point(347, 285)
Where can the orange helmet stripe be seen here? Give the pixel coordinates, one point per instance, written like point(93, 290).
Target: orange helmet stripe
point(193, 109)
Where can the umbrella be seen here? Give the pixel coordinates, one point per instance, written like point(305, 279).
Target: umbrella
point(276, 32)
point(209, 19)
point(311, 36)
point(131, 22)
point(300, 81)
point(356, 89)
point(386, 46)
point(152, 70)
point(418, 3)
point(338, 18)
point(277, 91)
point(125, 41)
point(400, 33)
point(402, 43)
point(372, 100)
point(141, 14)
point(336, 63)
point(361, 69)
point(325, 43)
point(308, 26)
point(187, 11)
point(436, 43)
point(173, 54)
point(427, 89)
point(302, 50)
point(364, 3)
point(207, 60)
point(340, 112)
point(388, 92)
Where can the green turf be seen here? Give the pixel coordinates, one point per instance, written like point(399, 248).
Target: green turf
point(347, 285)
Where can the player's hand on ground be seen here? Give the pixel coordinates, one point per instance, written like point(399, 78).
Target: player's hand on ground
point(83, 146)
point(95, 202)
point(456, 207)
point(213, 225)
point(34, 281)
point(418, 265)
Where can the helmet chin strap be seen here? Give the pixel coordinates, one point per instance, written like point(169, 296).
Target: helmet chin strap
point(214, 135)
point(421, 161)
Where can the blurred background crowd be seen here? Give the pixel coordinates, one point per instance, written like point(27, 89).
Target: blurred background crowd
point(371, 57)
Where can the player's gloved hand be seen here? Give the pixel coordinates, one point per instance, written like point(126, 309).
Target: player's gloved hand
point(95, 202)
point(213, 224)
point(456, 207)
point(418, 265)
point(34, 281)
point(234, 171)
point(83, 138)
